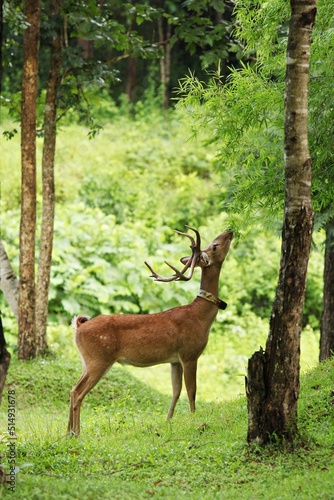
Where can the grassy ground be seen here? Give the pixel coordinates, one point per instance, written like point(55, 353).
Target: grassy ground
point(128, 450)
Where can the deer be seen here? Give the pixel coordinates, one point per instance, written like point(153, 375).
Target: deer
point(177, 336)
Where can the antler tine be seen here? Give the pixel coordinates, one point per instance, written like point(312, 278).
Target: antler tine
point(157, 277)
point(193, 244)
point(196, 249)
point(198, 237)
point(179, 275)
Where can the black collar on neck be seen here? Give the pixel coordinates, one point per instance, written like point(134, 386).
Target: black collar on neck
point(212, 298)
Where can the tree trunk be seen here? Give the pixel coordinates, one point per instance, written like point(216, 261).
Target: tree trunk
point(87, 47)
point(273, 376)
point(327, 319)
point(4, 359)
point(49, 148)
point(26, 341)
point(165, 61)
point(131, 79)
point(8, 282)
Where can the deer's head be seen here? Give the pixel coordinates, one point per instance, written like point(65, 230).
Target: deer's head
point(213, 255)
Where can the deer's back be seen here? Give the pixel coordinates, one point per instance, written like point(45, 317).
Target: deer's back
point(143, 339)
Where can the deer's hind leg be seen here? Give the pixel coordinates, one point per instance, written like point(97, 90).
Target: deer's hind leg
point(89, 378)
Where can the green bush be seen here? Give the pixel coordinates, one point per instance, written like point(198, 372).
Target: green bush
point(118, 198)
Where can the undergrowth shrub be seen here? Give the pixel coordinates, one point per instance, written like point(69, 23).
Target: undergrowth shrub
point(118, 198)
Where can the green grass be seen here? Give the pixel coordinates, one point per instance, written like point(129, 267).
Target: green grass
point(128, 450)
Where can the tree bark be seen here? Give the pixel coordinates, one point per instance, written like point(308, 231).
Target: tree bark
point(273, 377)
point(49, 148)
point(87, 47)
point(165, 61)
point(4, 359)
point(131, 79)
point(327, 318)
point(8, 282)
point(26, 340)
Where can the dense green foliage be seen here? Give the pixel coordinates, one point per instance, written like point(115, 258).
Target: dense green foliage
point(119, 196)
point(244, 117)
point(102, 40)
point(128, 450)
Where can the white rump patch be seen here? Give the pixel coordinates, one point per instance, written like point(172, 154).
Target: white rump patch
point(74, 323)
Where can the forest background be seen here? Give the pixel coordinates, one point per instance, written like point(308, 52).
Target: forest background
point(122, 184)
point(168, 114)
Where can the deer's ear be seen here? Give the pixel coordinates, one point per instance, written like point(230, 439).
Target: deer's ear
point(184, 261)
point(205, 261)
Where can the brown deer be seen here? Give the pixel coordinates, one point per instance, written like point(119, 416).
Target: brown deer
point(177, 336)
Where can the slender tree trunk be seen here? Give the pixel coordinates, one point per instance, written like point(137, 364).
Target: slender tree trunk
point(165, 61)
point(87, 47)
point(273, 376)
point(327, 319)
point(8, 282)
point(131, 78)
point(4, 359)
point(168, 61)
point(49, 148)
point(26, 341)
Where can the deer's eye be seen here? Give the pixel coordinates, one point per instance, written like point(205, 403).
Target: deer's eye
point(214, 247)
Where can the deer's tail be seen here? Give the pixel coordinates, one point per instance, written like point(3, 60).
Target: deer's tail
point(77, 321)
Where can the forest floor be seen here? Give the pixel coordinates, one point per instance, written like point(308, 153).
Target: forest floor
point(128, 450)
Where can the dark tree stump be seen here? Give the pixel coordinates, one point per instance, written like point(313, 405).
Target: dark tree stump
point(4, 359)
point(256, 394)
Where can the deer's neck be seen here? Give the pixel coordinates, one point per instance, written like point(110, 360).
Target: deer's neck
point(210, 279)
point(207, 297)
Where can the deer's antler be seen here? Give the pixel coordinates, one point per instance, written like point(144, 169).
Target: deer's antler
point(191, 263)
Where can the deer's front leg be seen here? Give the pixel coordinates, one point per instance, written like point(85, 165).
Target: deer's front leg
point(190, 369)
point(176, 372)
